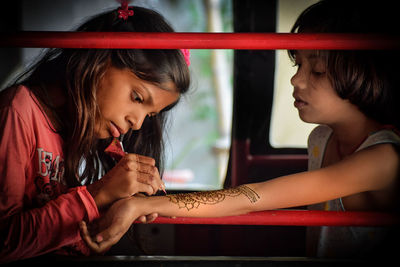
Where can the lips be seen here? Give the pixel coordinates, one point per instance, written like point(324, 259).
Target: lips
point(114, 130)
point(298, 102)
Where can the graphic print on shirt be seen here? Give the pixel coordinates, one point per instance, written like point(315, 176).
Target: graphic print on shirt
point(50, 175)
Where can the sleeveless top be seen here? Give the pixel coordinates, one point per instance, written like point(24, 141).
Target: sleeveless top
point(341, 241)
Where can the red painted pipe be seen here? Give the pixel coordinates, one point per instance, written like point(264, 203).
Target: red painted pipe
point(295, 218)
point(265, 41)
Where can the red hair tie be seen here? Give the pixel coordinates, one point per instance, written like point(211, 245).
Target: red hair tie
point(186, 54)
point(124, 11)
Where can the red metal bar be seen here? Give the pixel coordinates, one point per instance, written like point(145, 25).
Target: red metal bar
point(294, 218)
point(265, 41)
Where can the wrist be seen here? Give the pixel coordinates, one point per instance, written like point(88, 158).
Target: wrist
point(144, 205)
point(155, 204)
point(97, 194)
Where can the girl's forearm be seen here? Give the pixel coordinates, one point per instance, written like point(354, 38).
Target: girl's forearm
point(225, 202)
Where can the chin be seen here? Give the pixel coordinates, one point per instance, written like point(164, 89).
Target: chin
point(305, 118)
point(102, 135)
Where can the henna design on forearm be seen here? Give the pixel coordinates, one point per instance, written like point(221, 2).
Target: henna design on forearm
point(193, 200)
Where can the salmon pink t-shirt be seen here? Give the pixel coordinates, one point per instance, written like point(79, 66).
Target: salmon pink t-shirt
point(38, 213)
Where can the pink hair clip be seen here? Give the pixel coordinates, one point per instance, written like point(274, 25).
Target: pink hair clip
point(124, 11)
point(186, 54)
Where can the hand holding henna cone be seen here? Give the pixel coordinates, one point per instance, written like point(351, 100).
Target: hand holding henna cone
point(116, 151)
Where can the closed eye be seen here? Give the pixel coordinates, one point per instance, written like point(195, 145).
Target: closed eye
point(137, 97)
point(151, 115)
point(318, 73)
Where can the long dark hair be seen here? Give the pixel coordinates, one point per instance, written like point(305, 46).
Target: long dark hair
point(366, 78)
point(79, 71)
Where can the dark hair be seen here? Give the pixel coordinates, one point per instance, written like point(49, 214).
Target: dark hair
point(365, 78)
point(79, 71)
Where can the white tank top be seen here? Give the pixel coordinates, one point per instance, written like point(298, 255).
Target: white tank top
point(339, 241)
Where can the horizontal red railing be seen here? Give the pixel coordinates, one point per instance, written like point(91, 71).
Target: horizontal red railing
point(294, 218)
point(265, 41)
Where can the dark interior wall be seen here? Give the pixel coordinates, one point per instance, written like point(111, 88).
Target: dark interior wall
point(253, 74)
point(10, 21)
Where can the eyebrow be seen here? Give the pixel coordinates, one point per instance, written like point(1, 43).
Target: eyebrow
point(150, 98)
point(314, 55)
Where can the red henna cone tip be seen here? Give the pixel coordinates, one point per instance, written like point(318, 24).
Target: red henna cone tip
point(163, 189)
point(115, 150)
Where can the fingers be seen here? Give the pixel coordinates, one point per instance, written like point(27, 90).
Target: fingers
point(93, 245)
point(146, 172)
point(102, 242)
point(148, 218)
point(84, 231)
point(148, 169)
point(142, 219)
point(153, 180)
point(149, 189)
point(146, 188)
point(141, 159)
point(132, 174)
point(151, 217)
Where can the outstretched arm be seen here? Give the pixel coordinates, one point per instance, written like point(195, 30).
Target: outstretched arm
point(364, 171)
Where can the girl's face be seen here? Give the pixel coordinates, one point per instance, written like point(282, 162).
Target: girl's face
point(124, 101)
point(315, 97)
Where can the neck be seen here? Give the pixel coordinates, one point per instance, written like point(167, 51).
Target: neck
point(349, 135)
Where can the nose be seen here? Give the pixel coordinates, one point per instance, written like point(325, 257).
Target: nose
point(136, 120)
point(299, 80)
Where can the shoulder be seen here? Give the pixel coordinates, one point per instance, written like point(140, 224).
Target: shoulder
point(376, 162)
point(19, 97)
point(316, 145)
point(384, 136)
point(379, 165)
point(383, 142)
point(380, 149)
point(19, 106)
point(320, 132)
point(318, 136)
